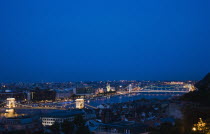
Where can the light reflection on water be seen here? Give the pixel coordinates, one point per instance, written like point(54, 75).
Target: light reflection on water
point(9, 113)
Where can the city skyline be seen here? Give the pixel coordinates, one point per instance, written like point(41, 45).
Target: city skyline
point(104, 66)
point(104, 40)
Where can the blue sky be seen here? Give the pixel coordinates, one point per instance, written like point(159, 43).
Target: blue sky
point(104, 40)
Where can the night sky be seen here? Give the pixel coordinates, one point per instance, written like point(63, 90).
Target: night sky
point(68, 40)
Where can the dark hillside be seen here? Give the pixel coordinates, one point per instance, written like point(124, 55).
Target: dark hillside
point(204, 84)
point(202, 95)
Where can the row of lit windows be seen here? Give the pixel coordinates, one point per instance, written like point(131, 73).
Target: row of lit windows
point(53, 119)
point(47, 119)
point(48, 123)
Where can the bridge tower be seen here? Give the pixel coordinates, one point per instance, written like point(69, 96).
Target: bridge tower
point(80, 103)
point(10, 103)
point(130, 88)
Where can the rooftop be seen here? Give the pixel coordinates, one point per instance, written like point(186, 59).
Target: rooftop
point(64, 114)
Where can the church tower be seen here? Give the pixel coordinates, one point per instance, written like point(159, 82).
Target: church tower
point(108, 88)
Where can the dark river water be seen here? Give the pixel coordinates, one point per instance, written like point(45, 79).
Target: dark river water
point(119, 99)
point(129, 97)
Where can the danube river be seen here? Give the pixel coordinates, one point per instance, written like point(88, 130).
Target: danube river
point(96, 101)
point(124, 98)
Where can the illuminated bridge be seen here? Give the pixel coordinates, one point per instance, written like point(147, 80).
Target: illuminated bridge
point(10, 103)
point(159, 91)
point(185, 88)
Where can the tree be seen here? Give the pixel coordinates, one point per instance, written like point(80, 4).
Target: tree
point(79, 121)
point(83, 130)
point(67, 127)
point(55, 127)
point(17, 132)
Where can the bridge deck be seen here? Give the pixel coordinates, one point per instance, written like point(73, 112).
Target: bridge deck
point(160, 91)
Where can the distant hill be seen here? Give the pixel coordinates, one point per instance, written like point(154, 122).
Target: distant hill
point(204, 84)
point(202, 95)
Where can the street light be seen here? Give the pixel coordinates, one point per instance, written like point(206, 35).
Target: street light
point(194, 128)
